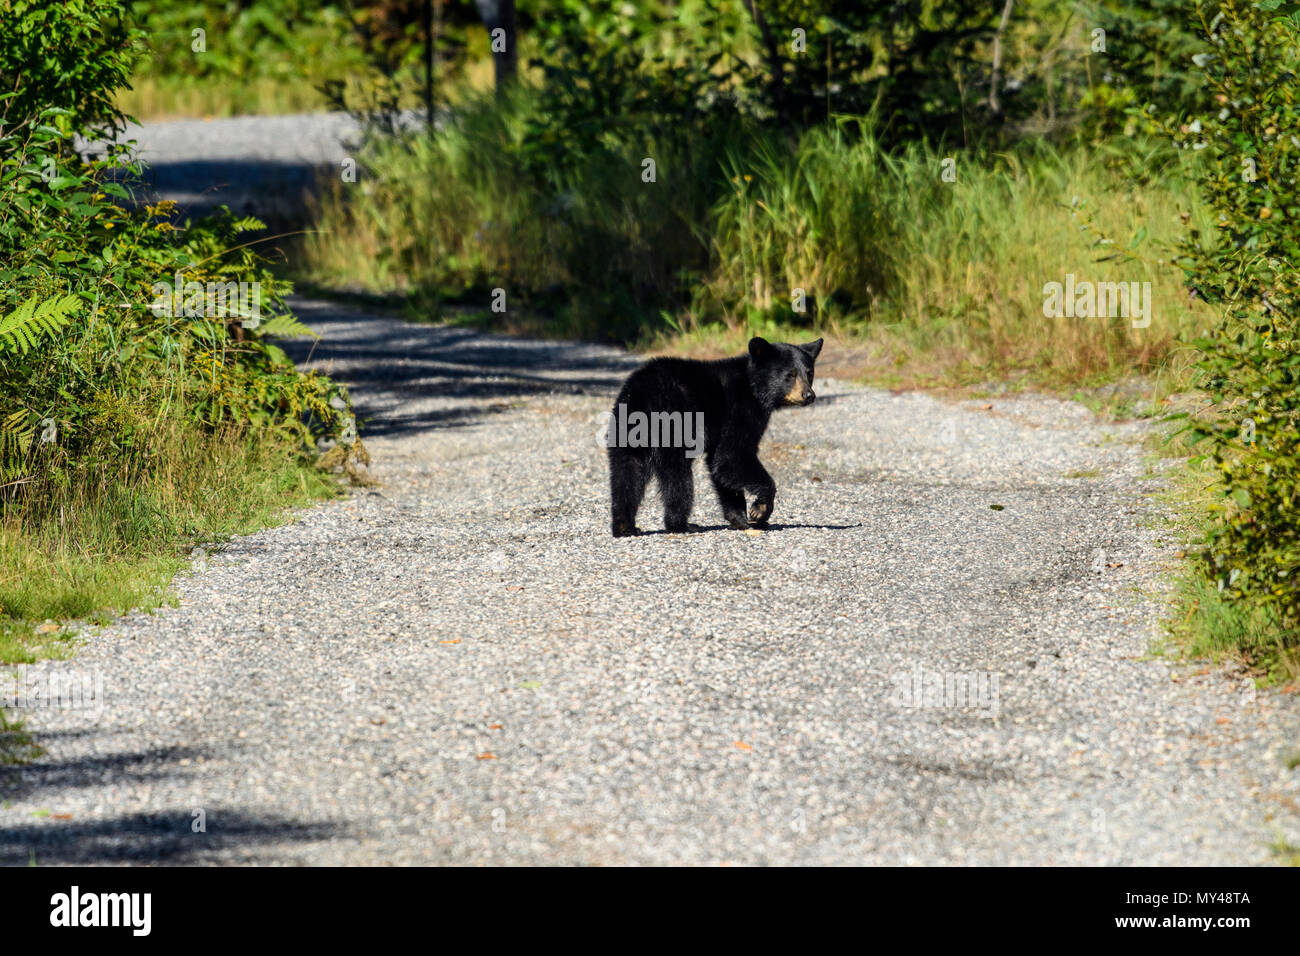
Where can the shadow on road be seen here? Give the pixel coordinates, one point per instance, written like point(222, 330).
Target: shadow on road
point(274, 191)
point(166, 836)
point(701, 529)
point(407, 377)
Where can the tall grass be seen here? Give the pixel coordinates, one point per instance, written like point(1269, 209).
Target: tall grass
point(1204, 621)
point(949, 275)
point(814, 220)
point(942, 278)
point(1209, 625)
point(157, 98)
point(94, 548)
point(160, 98)
point(482, 206)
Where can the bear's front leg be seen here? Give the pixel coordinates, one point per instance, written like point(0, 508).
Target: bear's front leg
point(732, 479)
point(760, 512)
point(733, 504)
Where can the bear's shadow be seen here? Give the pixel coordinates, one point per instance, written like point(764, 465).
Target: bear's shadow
point(701, 529)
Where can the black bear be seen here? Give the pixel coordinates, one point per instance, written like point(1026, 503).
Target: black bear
point(671, 410)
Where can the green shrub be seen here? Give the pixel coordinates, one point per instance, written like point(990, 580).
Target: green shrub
point(105, 379)
point(105, 391)
point(1245, 129)
point(63, 62)
point(279, 56)
point(301, 41)
point(1149, 45)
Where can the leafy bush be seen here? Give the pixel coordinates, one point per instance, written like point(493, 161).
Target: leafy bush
point(1245, 130)
point(119, 363)
point(288, 39)
point(68, 58)
point(1149, 45)
point(924, 70)
point(291, 55)
point(95, 379)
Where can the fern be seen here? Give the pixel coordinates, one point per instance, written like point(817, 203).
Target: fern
point(284, 326)
point(21, 329)
point(16, 434)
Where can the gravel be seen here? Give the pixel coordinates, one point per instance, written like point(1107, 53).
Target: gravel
point(257, 165)
point(460, 665)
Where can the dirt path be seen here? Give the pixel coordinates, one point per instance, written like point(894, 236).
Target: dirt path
point(461, 665)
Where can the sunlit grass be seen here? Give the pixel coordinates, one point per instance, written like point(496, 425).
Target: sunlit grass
point(99, 550)
point(931, 281)
point(1203, 622)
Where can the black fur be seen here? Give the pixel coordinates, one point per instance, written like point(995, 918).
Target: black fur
point(737, 397)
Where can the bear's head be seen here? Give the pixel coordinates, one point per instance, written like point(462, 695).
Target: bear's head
point(781, 374)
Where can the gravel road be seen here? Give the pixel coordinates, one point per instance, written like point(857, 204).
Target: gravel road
point(460, 665)
point(257, 165)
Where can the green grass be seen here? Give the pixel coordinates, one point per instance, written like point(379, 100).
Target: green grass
point(155, 99)
point(1288, 854)
point(1206, 625)
point(99, 551)
point(929, 282)
point(16, 745)
point(585, 244)
point(945, 279)
point(269, 57)
point(293, 79)
point(1203, 622)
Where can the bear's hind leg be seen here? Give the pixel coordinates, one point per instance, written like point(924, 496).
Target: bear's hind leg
point(628, 475)
point(677, 489)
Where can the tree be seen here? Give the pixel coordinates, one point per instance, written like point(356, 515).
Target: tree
point(500, 15)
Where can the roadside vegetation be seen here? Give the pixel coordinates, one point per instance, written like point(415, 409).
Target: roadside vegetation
point(932, 282)
point(209, 58)
point(1244, 591)
point(137, 421)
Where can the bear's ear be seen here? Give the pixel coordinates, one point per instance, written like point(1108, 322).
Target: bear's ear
point(813, 348)
point(761, 349)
